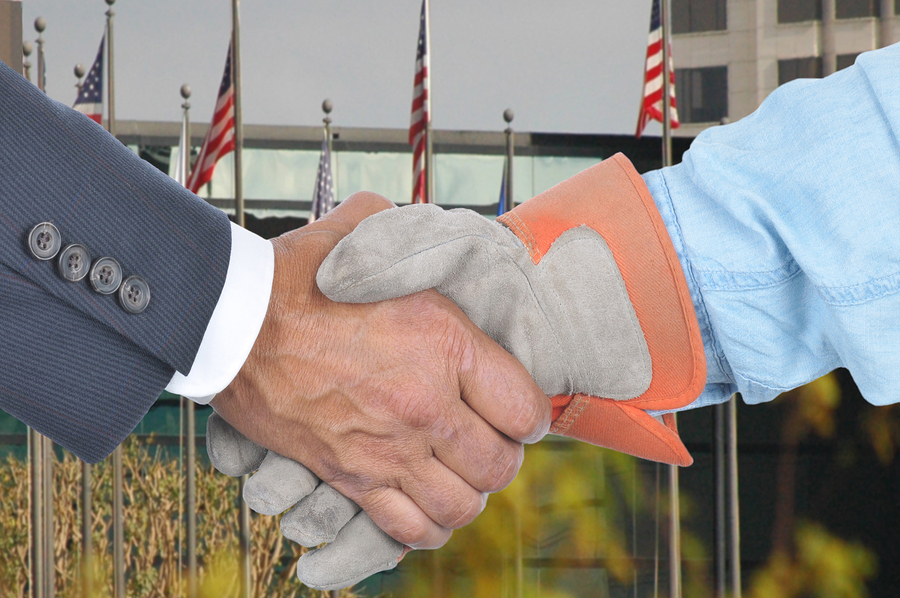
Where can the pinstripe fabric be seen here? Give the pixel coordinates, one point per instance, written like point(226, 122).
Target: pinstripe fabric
point(73, 364)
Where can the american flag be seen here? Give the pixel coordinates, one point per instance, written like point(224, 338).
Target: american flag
point(421, 111)
point(90, 96)
point(323, 196)
point(220, 137)
point(652, 103)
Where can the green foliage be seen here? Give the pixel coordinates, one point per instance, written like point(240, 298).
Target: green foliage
point(155, 549)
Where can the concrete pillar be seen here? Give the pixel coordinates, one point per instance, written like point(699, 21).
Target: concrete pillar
point(11, 33)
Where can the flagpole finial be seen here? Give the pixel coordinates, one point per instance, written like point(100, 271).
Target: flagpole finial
point(27, 48)
point(79, 73)
point(327, 107)
point(508, 115)
point(186, 94)
point(40, 24)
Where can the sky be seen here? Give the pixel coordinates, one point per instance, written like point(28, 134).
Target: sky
point(563, 66)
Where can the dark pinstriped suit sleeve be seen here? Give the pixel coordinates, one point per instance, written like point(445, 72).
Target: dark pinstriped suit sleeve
point(73, 364)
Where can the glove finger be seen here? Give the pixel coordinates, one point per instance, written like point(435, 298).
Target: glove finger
point(361, 549)
point(319, 517)
point(405, 250)
point(279, 484)
point(230, 451)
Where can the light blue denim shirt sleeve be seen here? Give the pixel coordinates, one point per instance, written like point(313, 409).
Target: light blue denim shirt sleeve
point(787, 224)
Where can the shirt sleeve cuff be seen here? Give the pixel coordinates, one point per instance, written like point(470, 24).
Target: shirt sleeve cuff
point(235, 322)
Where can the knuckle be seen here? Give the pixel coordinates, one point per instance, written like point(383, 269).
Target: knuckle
point(531, 419)
point(414, 407)
point(465, 511)
point(410, 532)
point(503, 467)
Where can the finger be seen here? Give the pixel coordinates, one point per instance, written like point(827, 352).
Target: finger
point(355, 209)
point(485, 458)
point(230, 451)
point(499, 388)
point(361, 549)
point(409, 249)
point(319, 517)
point(456, 504)
point(400, 517)
point(279, 484)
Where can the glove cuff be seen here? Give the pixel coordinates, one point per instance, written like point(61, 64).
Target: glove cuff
point(612, 199)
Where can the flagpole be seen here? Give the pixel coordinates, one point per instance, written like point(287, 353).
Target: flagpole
point(721, 534)
point(40, 24)
point(734, 515)
point(246, 577)
point(118, 467)
point(27, 49)
point(45, 453)
point(37, 515)
point(429, 147)
point(110, 70)
point(674, 502)
point(190, 435)
point(508, 115)
point(87, 544)
point(327, 107)
point(667, 84)
point(238, 116)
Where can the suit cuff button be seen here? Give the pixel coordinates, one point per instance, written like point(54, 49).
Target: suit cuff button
point(74, 262)
point(134, 294)
point(44, 241)
point(106, 276)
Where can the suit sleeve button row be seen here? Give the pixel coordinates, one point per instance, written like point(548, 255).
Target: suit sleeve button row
point(74, 264)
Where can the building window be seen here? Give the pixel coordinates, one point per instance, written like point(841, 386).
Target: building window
point(799, 68)
point(797, 11)
point(693, 16)
point(702, 94)
point(852, 9)
point(845, 60)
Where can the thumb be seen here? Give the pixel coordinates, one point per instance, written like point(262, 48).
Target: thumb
point(410, 249)
point(311, 243)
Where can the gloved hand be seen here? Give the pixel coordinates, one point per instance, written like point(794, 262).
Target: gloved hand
point(581, 284)
point(356, 548)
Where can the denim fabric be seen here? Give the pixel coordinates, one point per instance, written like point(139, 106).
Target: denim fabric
point(787, 224)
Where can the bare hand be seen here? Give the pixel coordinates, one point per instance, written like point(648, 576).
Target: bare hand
point(404, 406)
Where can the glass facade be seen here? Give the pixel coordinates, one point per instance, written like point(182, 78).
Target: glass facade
point(799, 68)
point(280, 182)
point(797, 11)
point(845, 60)
point(695, 16)
point(702, 94)
point(852, 9)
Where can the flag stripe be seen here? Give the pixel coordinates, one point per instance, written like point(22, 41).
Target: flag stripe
point(219, 140)
point(652, 101)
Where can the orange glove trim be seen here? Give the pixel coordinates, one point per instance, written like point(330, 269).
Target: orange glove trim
point(612, 199)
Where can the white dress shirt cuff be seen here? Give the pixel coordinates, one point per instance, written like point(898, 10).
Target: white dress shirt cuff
point(235, 322)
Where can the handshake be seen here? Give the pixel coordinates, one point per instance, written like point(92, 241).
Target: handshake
point(408, 353)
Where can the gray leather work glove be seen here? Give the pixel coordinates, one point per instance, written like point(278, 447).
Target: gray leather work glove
point(581, 284)
point(356, 548)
